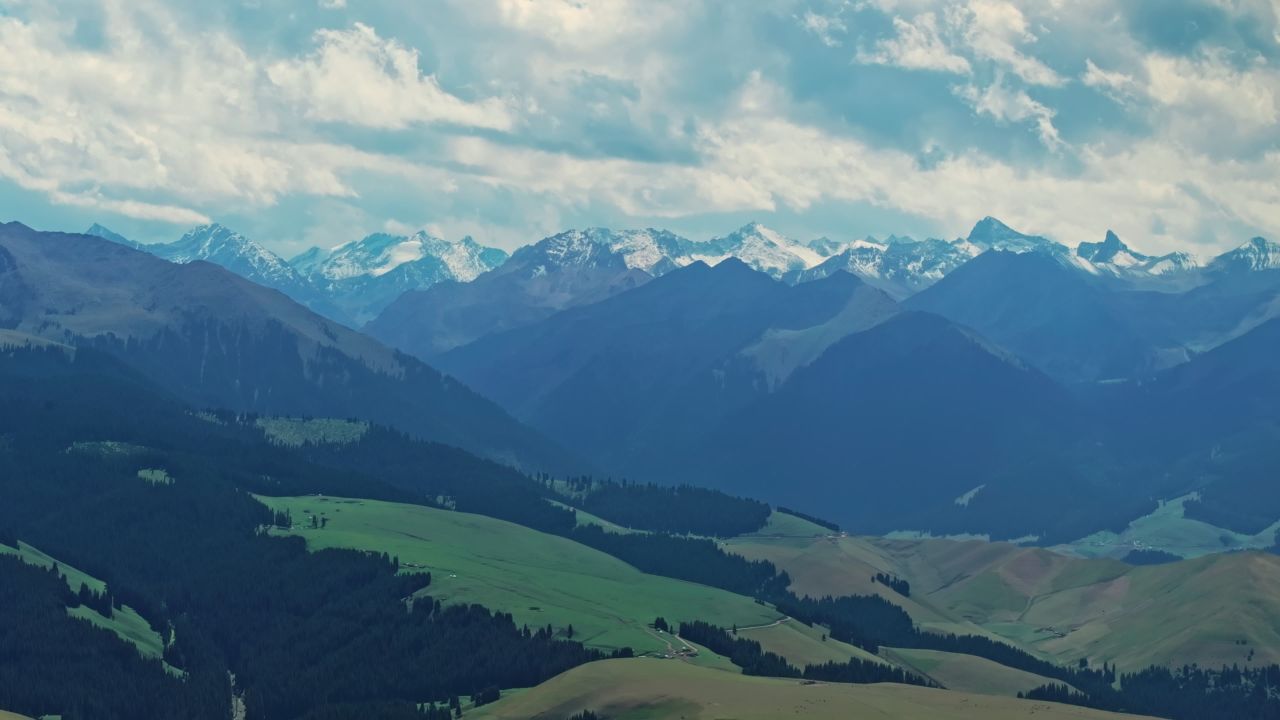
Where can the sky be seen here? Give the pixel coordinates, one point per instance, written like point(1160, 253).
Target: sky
point(305, 122)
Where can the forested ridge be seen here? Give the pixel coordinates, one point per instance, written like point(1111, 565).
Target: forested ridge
point(340, 634)
point(307, 634)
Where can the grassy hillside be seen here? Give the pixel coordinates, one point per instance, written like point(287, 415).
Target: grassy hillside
point(648, 689)
point(1213, 610)
point(966, 673)
point(1167, 528)
point(124, 621)
point(540, 579)
point(802, 644)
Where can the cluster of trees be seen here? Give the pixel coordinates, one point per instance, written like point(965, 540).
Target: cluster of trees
point(678, 509)
point(57, 664)
point(1149, 557)
point(324, 634)
point(694, 559)
point(100, 602)
point(893, 582)
point(1186, 693)
point(748, 655)
point(833, 527)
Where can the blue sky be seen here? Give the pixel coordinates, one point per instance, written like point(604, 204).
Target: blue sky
point(315, 123)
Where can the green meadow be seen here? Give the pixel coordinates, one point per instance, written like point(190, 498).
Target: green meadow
point(540, 579)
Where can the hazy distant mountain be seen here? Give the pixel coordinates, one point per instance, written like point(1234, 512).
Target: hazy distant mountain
point(899, 266)
point(363, 277)
point(1057, 318)
point(1257, 255)
point(902, 266)
point(350, 283)
point(619, 379)
point(222, 246)
point(760, 248)
point(888, 426)
point(217, 340)
point(107, 234)
point(558, 272)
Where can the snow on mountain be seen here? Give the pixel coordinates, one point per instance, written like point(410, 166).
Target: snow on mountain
point(657, 251)
point(992, 234)
point(378, 254)
point(761, 248)
point(1254, 256)
point(363, 276)
point(222, 246)
point(653, 251)
point(901, 266)
point(1113, 257)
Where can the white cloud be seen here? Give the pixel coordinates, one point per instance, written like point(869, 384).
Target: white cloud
point(758, 161)
point(1114, 83)
point(825, 27)
point(995, 30)
point(1007, 105)
point(357, 77)
point(1209, 90)
point(917, 45)
point(158, 110)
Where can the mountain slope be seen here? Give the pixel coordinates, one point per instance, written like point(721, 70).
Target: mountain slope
point(558, 272)
point(890, 426)
point(363, 277)
point(620, 379)
point(1055, 317)
point(218, 340)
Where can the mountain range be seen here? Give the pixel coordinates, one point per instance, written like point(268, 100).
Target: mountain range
point(215, 339)
point(814, 372)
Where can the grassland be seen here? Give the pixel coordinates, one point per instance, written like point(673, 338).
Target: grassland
point(295, 432)
point(540, 579)
point(966, 673)
point(804, 645)
point(5, 715)
point(1168, 529)
point(125, 622)
point(650, 689)
point(1216, 609)
point(586, 518)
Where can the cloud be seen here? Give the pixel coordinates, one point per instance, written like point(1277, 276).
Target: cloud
point(158, 111)
point(1116, 84)
point(357, 77)
point(1007, 105)
point(994, 30)
point(510, 118)
point(825, 27)
point(760, 162)
point(917, 45)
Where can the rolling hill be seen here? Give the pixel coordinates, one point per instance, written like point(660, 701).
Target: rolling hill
point(1213, 610)
point(644, 688)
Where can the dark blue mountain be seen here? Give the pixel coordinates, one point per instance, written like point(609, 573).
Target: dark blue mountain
point(1054, 316)
point(620, 379)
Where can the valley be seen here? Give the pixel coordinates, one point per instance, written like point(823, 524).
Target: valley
point(485, 524)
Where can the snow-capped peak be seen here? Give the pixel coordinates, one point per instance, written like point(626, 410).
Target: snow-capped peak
point(380, 253)
point(992, 234)
point(1256, 255)
point(1112, 256)
point(761, 248)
